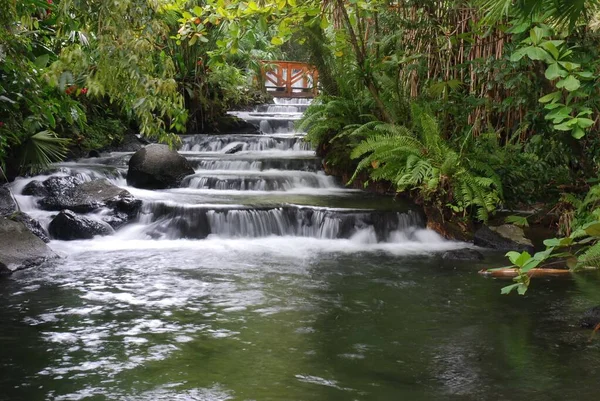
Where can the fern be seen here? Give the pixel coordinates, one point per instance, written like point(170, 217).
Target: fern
point(420, 159)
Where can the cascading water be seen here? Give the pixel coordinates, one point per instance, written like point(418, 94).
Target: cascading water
point(245, 267)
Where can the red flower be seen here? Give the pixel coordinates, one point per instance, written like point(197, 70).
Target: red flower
point(84, 91)
point(199, 62)
point(1, 124)
point(49, 1)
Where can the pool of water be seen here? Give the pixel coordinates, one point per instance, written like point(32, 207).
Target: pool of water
point(287, 319)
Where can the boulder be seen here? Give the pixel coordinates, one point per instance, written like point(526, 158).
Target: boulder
point(590, 318)
point(507, 237)
point(4, 271)
point(69, 226)
point(93, 195)
point(35, 188)
point(59, 185)
point(7, 202)
point(157, 167)
point(234, 125)
point(32, 225)
point(462, 254)
point(19, 248)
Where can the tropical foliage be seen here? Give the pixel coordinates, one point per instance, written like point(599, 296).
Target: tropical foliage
point(468, 106)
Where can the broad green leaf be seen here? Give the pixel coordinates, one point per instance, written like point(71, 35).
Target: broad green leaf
point(570, 83)
point(522, 289)
point(551, 48)
point(554, 71)
point(592, 229)
point(42, 61)
point(564, 126)
point(584, 122)
point(508, 289)
point(277, 41)
point(518, 259)
point(518, 54)
point(578, 133)
point(585, 74)
point(536, 53)
point(292, 3)
point(554, 96)
point(530, 264)
point(569, 66)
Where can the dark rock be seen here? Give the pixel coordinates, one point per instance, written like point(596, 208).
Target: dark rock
point(463, 254)
point(35, 188)
point(238, 147)
point(157, 167)
point(505, 238)
point(234, 125)
point(19, 248)
point(7, 202)
point(60, 185)
point(4, 271)
point(91, 196)
point(70, 226)
point(93, 154)
point(32, 225)
point(129, 143)
point(591, 318)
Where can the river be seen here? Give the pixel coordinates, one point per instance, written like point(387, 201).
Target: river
point(263, 279)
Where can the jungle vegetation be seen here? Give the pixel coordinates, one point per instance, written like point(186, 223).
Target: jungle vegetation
point(467, 106)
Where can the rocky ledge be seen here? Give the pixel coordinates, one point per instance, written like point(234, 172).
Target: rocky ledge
point(22, 239)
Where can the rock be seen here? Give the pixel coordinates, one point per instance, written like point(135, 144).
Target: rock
point(70, 226)
point(7, 202)
point(59, 185)
point(463, 254)
point(92, 195)
point(234, 125)
point(505, 238)
point(157, 167)
point(238, 147)
point(591, 318)
point(4, 271)
point(19, 248)
point(32, 225)
point(35, 188)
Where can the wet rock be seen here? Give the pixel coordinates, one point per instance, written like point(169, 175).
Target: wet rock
point(4, 271)
point(69, 226)
point(93, 195)
point(32, 225)
point(505, 238)
point(157, 167)
point(7, 202)
point(234, 125)
point(59, 185)
point(463, 254)
point(238, 147)
point(19, 247)
point(35, 188)
point(590, 318)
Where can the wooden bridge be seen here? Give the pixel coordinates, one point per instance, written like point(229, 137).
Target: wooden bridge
point(290, 78)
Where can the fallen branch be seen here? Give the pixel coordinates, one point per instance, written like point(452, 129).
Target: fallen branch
point(511, 272)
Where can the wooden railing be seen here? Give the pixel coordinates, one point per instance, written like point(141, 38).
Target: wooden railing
point(290, 78)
